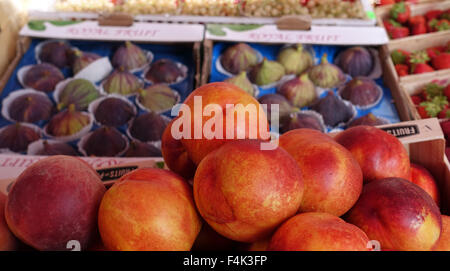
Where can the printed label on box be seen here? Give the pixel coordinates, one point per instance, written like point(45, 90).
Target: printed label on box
point(332, 35)
point(91, 30)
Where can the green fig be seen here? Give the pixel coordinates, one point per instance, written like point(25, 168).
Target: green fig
point(122, 82)
point(158, 98)
point(266, 73)
point(67, 122)
point(242, 81)
point(300, 91)
point(79, 92)
point(326, 75)
point(295, 59)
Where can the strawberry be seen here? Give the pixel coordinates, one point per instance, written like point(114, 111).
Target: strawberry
point(431, 109)
point(418, 29)
point(432, 90)
point(389, 24)
point(433, 14)
point(441, 62)
point(418, 68)
point(445, 113)
point(385, 2)
point(445, 15)
point(400, 12)
point(447, 92)
point(400, 56)
point(419, 57)
point(433, 52)
point(445, 125)
point(431, 25)
point(416, 99)
point(402, 69)
point(418, 19)
point(442, 25)
point(398, 32)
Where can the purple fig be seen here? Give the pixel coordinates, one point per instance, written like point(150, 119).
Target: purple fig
point(56, 53)
point(67, 122)
point(82, 59)
point(16, 137)
point(79, 92)
point(164, 71)
point(361, 91)
point(266, 72)
point(356, 61)
point(129, 56)
point(333, 110)
point(295, 59)
point(148, 127)
point(141, 149)
point(114, 112)
point(326, 75)
point(300, 91)
point(369, 119)
point(301, 120)
point(56, 148)
point(30, 107)
point(242, 81)
point(122, 82)
point(158, 98)
point(284, 107)
point(43, 77)
point(238, 58)
point(105, 142)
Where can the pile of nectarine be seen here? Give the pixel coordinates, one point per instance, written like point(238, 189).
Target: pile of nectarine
point(312, 191)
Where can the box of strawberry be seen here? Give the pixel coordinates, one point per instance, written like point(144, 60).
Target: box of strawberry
point(406, 21)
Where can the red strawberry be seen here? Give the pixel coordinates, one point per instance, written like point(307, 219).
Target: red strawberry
point(447, 92)
point(418, 19)
point(431, 25)
point(402, 69)
point(445, 125)
point(416, 99)
point(433, 14)
point(389, 24)
point(444, 114)
point(400, 12)
point(441, 62)
point(398, 32)
point(421, 68)
point(433, 52)
point(422, 112)
point(442, 25)
point(432, 90)
point(385, 2)
point(419, 57)
point(445, 15)
point(400, 56)
point(418, 29)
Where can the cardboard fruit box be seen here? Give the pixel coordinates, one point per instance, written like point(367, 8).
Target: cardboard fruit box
point(103, 38)
point(382, 13)
point(320, 37)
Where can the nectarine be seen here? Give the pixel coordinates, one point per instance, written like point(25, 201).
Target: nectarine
point(444, 242)
point(315, 231)
point(398, 214)
point(8, 241)
point(149, 209)
point(423, 178)
point(244, 193)
point(332, 176)
point(380, 155)
point(54, 201)
point(197, 144)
